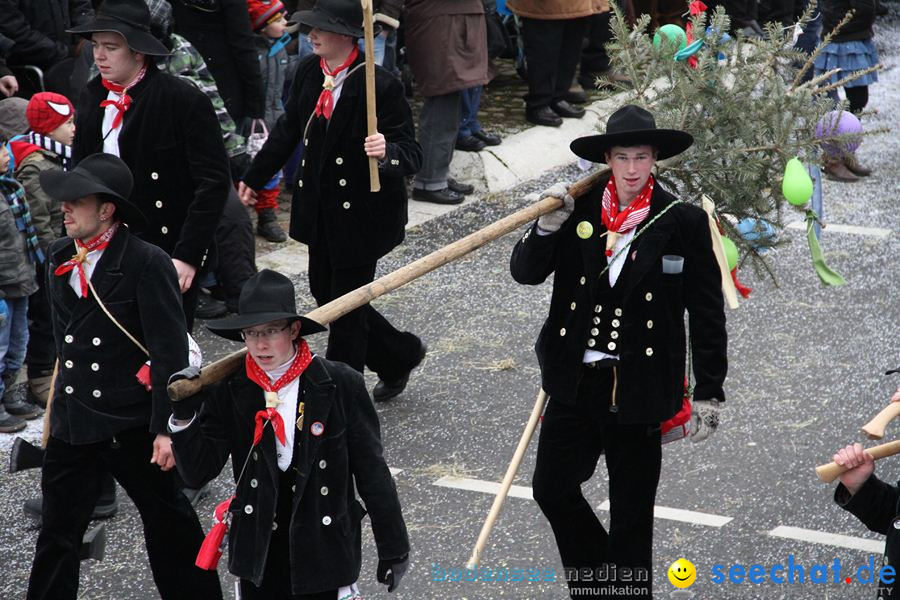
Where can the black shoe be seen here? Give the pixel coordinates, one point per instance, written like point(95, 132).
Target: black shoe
point(10, 423)
point(470, 144)
point(564, 109)
point(268, 228)
point(460, 188)
point(543, 116)
point(444, 196)
point(490, 139)
point(195, 496)
point(385, 390)
point(576, 94)
point(23, 409)
point(34, 507)
point(209, 307)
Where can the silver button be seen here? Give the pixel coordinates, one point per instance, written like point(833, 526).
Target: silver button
point(611, 345)
point(253, 483)
point(562, 331)
point(648, 297)
point(95, 367)
point(572, 306)
point(339, 160)
point(248, 509)
point(154, 175)
point(96, 393)
point(274, 525)
point(95, 341)
point(303, 162)
point(299, 183)
point(342, 182)
point(598, 308)
point(618, 312)
point(346, 205)
point(69, 339)
point(159, 204)
point(395, 162)
point(897, 524)
point(293, 488)
point(582, 280)
point(69, 364)
point(306, 141)
point(164, 229)
point(324, 490)
point(596, 320)
point(595, 331)
point(69, 389)
point(255, 456)
point(649, 324)
point(649, 351)
point(322, 464)
point(326, 520)
point(591, 343)
point(615, 322)
point(614, 335)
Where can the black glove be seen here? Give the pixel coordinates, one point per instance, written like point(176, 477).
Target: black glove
point(391, 571)
point(186, 409)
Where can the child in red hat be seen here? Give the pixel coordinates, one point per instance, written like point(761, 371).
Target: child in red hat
point(46, 147)
point(267, 18)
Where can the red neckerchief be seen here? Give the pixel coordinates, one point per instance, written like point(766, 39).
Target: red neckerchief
point(325, 103)
point(124, 100)
point(77, 261)
point(622, 222)
point(256, 374)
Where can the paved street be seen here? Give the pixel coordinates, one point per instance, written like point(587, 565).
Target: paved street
point(806, 371)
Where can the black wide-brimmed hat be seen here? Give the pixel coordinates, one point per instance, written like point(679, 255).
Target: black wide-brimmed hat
point(99, 173)
point(629, 126)
point(131, 18)
point(337, 16)
point(267, 296)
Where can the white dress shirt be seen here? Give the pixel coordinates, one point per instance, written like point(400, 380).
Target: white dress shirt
point(90, 261)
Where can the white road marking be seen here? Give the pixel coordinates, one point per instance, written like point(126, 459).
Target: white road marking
point(829, 539)
point(485, 487)
point(395, 472)
point(837, 228)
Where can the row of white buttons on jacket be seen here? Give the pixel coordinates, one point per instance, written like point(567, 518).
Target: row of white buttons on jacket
point(94, 366)
point(70, 390)
point(326, 520)
point(69, 339)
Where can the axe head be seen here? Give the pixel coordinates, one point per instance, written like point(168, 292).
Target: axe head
point(93, 544)
point(25, 455)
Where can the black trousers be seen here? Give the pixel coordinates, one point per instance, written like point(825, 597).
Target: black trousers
point(41, 352)
point(71, 481)
point(362, 337)
point(552, 51)
point(571, 441)
point(237, 248)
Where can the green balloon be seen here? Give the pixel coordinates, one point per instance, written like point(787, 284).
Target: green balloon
point(731, 253)
point(797, 185)
point(673, 34)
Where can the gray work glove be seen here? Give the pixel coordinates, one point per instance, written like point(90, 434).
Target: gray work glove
point(551, 222)
point(390, 571)
point(704, 419)
point(186, 409)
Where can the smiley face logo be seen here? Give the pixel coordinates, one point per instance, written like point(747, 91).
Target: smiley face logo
point(682, 573)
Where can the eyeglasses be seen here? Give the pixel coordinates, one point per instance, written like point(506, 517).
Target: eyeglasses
point(265, 334)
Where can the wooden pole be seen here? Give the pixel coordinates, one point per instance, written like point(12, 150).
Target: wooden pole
point(832, 470)
point(45, 434)
point(874, 429)
point(511, 471)
point(371, 117)
point(352, 300)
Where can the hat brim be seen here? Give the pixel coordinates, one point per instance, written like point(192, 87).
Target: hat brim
point(137, 40)
point(230, 327)
point(65, 186)
point(309, 19)
point(668, 143)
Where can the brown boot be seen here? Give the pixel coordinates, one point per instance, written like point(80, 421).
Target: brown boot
point(852, 164)
point(836, 170)
point(39, 390)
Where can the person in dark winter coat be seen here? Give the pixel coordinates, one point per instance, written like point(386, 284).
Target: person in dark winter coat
point(612, 351)
point(307, 431)
point(346, 226)
point(8, 83)
point(165, 130)
point(220, 30)
point(38, 28)
point(110, 409)
point(874, 502)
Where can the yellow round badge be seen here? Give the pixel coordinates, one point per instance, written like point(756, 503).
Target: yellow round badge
point(682, 573)
point(584, 230)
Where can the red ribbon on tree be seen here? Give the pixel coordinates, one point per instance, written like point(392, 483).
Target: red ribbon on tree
point(740, 287)
point(211, 549)
point(124, 100)
point(77, 261)
point(696, 8)
point(325, 103)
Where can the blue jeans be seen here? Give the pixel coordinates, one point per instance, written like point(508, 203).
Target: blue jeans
point(469, 103)
point(13, 337)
